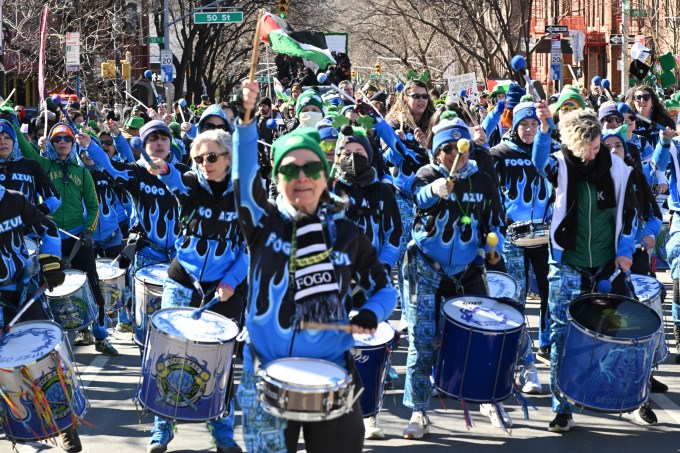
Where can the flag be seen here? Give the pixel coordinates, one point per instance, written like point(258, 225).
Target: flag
point(310, 45)
point(41, 57)
point(278, 89)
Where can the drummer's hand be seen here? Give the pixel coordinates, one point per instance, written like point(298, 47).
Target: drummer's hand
point(493, 260)
point(364, 322)
point(83, 140)
point(648, 242)
point(162, 165)
point(250, 92)
point(224, 291)
point(663, 187)
point(623, 262)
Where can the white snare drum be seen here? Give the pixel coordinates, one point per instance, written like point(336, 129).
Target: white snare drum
point(148, 295)
point(72, 304)
point(33, 256)
point(186, 370)
point(36, 366)
point(502, 285)
point(112, 284)
point(648, 291)
point(304, 389)
point(531, 233)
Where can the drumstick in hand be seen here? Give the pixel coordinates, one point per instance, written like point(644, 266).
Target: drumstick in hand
point(463, 146)
point(324, 326)
point(605, 286)
point(492, 240)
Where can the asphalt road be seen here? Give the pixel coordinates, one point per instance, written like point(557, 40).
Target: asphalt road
point(118, 426)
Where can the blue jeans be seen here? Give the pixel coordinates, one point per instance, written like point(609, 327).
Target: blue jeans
point(407, 215)
point(673, 254)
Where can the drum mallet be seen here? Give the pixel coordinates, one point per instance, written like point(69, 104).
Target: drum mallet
point(606, 84)
point(605, 286)
point(624, 109)
point(56, 99)
point(69, 234)
point(322, 78)
point(181, 104)
point(26, 306)
point(492, 240)
point(463, 94)
point(463, 146)
point(149, 75)
point(519, 64)
point(137, 144)
point(196, 314)
point(325, 326)
point(137, 100)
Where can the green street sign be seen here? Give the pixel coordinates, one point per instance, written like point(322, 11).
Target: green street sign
point(264, 79)
point(155, 40)
point(638, 13)
point(376, 76)
point(232, 17)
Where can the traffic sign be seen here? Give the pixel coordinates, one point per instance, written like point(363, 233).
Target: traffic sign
point(557, 29)
point(264, 79)
point(167, 72)
point(617, 40)
point(578, 72)
point(556, 71)
point(155, 40)
point(230, 17)
point(166, 57)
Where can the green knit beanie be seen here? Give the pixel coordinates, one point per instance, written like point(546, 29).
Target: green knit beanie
point(309, 97)
point(570, 94)
point(135, 122)
point(176, 129)
point(301, 138)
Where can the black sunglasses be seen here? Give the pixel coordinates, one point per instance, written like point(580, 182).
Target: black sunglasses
point(449, 148)
point(210, 157)
point(211, 126)
point(311, 170)
point(107, 142)
point(646, 97)
point(62, 138)
point(419, 96)
point(613, 119)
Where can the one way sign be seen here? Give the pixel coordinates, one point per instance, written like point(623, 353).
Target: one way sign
point(616, 40)
point(557, 29)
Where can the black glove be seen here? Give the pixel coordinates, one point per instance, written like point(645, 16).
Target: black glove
point(52, 272)
point(127, 255)
point(42, 207)
point(365, 319)
point(86, 239)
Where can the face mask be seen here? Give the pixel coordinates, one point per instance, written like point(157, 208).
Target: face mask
point(309, 119)
point(354, 164)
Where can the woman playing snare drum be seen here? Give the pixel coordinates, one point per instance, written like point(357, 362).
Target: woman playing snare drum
point(294, 242)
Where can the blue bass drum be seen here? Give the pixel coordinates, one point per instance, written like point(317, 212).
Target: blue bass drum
point(608, 350)
point(371, 358)
point(480, 342)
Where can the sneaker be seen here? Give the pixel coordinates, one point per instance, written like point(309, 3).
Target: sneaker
point(645, 415)
point(124, 327)
point(561, 423)
point(403, 326)
point(162, 434)
point(531, 384)
point(544, 352)
point(104, 346)
point(227, 445)
point(418, 426)
point(489, 410)
point(83, 338)
point(70, 441)
point(372, 429)
point(658, 387)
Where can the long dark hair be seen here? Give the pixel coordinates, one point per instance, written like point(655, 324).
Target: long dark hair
point(400, 106)
point(659, 114)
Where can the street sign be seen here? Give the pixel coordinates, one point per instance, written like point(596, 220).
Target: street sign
point(578, 71)
point(155, 40)
point(637, 13)
point(557, 29)
point(264, 79)
point(73, 51)
point(167, 73)
point(376, 76)
point(231, 17)
point(556, 71)
point(617, 40)
point(166, 57)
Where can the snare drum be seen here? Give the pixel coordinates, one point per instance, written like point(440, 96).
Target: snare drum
point(502, 285)
point(148, 297)
point(33, 265)
point(480, 342)
point(112, 284)
point(371, 359)
point(648, 291)
point(72, 304)
point(36, 366)
point(608, 351)
point(305, 390)
point(186, 370)
point(530, 233)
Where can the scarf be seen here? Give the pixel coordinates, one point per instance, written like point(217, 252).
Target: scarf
point(598, 173)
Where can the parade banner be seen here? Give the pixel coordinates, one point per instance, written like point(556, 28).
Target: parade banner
point(467, 82)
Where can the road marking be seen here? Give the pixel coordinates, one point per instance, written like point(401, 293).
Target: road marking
point(668, 406)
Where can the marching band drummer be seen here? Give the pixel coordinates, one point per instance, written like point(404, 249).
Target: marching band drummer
point(454, 214)
point(592, 231)
point(209, 222)
point(292, 239)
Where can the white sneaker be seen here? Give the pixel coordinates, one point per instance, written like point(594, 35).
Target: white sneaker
point(372, 429)
point(489, 410)
point(418, 426)
point(531, 384)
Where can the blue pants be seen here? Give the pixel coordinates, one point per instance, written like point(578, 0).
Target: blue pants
point(673, 254)
point(407, 215)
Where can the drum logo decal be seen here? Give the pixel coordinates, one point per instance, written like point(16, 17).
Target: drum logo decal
point(486, 316)
point(54, 392)
point(358, 356)
point(181, 381)
point(70, 311)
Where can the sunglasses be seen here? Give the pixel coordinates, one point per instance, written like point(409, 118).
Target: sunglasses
point(568, 108)
point(640, 97)
point(211, 126)
point(211, 157)
point(62, 138)
point(311, 170)
point(449, 148)
point(107, 142)
point(419, 96)
point(613, 119)
point(327, 146)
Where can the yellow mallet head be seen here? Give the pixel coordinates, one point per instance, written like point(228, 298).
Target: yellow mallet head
point(463, 145)
point(492, 239)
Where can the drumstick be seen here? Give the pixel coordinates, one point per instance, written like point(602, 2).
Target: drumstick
point(69, 234)
point(24, 308)
point(305, 325)
point(605, 286)
point(463, 146)
point(492, 240)
point(196, 314)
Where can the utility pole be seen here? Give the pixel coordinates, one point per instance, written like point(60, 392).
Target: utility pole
point(166, 44)
point(625, 4)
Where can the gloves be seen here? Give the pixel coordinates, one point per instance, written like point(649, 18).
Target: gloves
point(127, 255)
point(42, 207)
point(52, 273)
point(86, 239)
point(441, 187)
point(501, 106)
point(365, 319)
point(665, 141)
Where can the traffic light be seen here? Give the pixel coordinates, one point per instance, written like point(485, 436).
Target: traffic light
point(125, 69)
point(378, 69)
point(283, 9)
point(353, 74)
point(108, 69)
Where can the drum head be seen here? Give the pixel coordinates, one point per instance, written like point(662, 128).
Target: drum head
point(614, 316)
point(646, 288)
point(210, 328)
point(483, 313)
point(501, 285)
point(74, 280)
point(305, 372)
point(383, 335)
point(28, 342)
point(105, 271)
point(154, 274)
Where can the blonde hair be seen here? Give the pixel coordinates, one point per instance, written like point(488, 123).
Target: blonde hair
point(578, 129)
